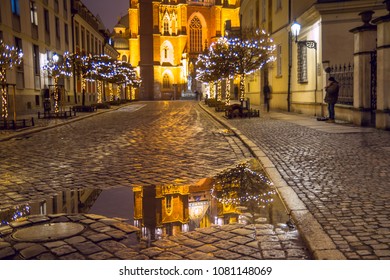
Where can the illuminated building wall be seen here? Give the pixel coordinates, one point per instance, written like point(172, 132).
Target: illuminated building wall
point(165, 37)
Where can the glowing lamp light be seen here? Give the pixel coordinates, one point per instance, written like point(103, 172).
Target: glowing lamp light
point(295, 29)
point(55, 58)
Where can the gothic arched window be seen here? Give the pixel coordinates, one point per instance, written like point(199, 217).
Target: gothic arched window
point(196, 35)
point(166, 81)
point(166, 26)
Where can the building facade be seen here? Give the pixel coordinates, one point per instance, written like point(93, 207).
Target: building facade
point(39, 28)
point(324, 47)
point(164, 38)
point(42, 28)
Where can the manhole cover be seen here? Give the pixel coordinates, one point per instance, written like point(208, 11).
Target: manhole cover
point(47, 232)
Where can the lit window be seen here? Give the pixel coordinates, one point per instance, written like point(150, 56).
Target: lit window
point(166, 81)
point(15, 7)
point(196, 35)
point(33, 13)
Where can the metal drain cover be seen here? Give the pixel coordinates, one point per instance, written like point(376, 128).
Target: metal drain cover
point(47, 232)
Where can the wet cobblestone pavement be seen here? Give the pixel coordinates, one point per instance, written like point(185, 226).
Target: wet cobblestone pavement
point(334, 178)
point(339, 173)
point(143, 144)
point(107, 238)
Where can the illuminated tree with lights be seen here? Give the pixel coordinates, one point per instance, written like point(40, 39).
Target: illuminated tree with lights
point(206, 70)
point(57, 68)
point(250, 52)
point(9, 58)
point(125, 74)
point(242, 187)
point(102, 71)
point(84, 68)
point(221, 58)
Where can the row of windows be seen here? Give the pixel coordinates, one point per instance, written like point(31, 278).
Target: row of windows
point(87, 42)
point(15, 6)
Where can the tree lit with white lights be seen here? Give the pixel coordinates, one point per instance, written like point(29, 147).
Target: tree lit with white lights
point(58, 68)
point(236, 56)
point(10, 57)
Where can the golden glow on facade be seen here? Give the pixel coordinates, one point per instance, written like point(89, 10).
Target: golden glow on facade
point(168, 39)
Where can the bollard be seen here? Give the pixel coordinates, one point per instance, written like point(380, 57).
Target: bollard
point(32, 122)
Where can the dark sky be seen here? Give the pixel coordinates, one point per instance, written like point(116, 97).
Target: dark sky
point(108, 10)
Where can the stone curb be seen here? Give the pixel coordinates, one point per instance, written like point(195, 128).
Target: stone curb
point(29, 131)
point(318, 242)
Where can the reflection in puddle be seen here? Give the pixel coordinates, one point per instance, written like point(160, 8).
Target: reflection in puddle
point(239, 195)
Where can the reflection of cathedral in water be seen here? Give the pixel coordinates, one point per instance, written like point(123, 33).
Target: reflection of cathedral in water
point(238, 195)
point(170, 209)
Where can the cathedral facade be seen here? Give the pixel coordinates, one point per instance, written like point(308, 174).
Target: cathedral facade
point(163, 38)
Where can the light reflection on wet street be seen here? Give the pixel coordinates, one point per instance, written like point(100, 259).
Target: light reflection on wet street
point(149, 164)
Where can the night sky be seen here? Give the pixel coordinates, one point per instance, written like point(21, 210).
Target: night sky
point(108, 10)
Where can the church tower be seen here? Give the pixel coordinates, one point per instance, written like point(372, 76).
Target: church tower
point(166, 36)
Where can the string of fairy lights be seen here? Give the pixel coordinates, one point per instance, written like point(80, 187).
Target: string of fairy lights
point(101, 68)
point(234, 56)
point(10, 57)
point(241, 185)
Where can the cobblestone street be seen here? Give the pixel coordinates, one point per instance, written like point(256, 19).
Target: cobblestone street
point(341, 173)
point(143, 144)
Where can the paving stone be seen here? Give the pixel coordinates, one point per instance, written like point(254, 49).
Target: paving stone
point(200, 256)
point(164, 243)
point(224, 244)
point(46, 256)
point(168, 256)
point(117, 234)
point(103, 229)
point(181, 250)
point(126, 227)
point(152, 251)
point(96, 225)
point(243, 231)
point(112, 245)
point(224, 235)
point(4, 244)
point(273, 254)
point(75, 239)
point(270, 245)
point(98, 237)
point(191, 243)
point(241, 239)
point(126, 254)
point(54, 244)
point(244, 250)
point(87, 248)
point(22, 245)
point(382, 253)
point(207, 248)
point(32, 251)
point(6, 252)
point(63, 250)
point(226, 255)
point(73, 256)
point(100, 256)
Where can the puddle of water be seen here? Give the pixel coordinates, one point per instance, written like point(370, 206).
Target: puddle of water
point(240, 195)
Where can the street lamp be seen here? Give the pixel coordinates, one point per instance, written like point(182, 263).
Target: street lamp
point(310, 44)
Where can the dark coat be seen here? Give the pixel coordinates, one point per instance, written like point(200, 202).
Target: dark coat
point(332, 92)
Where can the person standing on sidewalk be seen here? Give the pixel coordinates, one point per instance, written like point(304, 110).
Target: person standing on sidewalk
point(331, 96)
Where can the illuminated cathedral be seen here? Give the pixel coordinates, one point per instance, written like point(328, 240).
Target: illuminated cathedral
point(163, 38)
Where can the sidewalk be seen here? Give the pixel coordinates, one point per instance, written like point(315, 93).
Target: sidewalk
point(46, 123)
point(333, 178)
